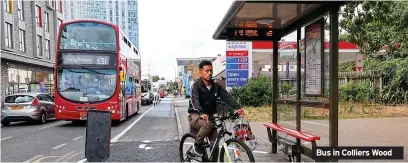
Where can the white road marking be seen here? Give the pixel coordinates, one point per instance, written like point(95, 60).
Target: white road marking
point(59, 146)
point(6, 138)
point(79, 137)
point(316, 123)
point(148, 148)
point(82, 161)
point(34, 158)
point(142, 145)
point(115, 139)
point(146, 141)
point(263, 152)
point(53, 125)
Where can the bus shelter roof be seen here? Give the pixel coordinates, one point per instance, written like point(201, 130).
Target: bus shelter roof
point(269, 20)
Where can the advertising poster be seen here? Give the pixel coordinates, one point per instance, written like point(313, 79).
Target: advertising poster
point(187, 85)
point(238, 65)
point(314, 50)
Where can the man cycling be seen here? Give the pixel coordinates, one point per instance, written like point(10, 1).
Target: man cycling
point(203, 105)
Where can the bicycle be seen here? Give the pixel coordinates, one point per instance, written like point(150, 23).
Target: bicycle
point(214, 146)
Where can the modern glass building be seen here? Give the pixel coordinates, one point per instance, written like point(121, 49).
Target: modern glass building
point(119, 12)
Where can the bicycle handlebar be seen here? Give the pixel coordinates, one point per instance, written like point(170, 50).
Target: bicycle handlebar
point(231, 115)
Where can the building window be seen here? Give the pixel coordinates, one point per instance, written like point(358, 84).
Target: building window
point(46, 23)
point(52, 3)
point(9, 35)
point(59, 22)
point(8, 6)
point(59, 6)
point(38, 16)
point(20, 9)
point(47, 49)
point(22, 40)
point(39, 46)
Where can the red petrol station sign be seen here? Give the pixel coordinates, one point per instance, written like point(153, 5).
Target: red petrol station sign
point(237, 53)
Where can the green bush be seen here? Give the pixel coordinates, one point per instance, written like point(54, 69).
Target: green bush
point(257, 92)
point(355, 92)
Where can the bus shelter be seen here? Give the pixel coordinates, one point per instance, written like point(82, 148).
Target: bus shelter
point(317, 70)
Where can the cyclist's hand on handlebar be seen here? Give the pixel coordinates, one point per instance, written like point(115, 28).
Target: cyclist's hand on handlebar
point(204, 117)
point(240, 112)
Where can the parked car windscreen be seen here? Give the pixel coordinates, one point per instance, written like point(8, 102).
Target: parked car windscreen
point(18, 99)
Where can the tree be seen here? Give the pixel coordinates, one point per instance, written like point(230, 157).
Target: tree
point(175, 85)
point(155, 78)
point(381, 25)
point(373, 25)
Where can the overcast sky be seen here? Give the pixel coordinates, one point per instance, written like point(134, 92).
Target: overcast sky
point(170, 29)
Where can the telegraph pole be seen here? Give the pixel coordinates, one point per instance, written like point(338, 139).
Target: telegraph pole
point(148, 71)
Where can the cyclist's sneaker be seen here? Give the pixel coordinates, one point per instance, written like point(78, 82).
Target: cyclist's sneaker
point(199, 149)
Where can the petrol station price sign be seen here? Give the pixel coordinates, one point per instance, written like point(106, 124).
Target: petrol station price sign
point(237, 64)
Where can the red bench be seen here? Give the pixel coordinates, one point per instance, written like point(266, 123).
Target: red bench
point(291, 132)
point(293, 153)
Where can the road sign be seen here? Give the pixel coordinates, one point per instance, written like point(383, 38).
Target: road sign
point(237, 78)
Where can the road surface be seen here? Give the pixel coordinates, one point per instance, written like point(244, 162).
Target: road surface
point(55, 141)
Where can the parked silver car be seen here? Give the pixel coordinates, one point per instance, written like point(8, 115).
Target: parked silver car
point(28, 106)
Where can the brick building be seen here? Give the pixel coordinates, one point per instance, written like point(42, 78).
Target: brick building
point(28, 44)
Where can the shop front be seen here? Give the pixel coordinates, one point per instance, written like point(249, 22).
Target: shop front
point(20, 77)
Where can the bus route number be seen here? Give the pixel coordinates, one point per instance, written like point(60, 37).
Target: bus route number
point(102, 61)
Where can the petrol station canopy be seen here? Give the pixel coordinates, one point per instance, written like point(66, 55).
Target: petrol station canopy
point(268, 20)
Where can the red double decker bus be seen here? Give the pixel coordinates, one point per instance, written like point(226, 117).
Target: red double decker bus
point(96, 67)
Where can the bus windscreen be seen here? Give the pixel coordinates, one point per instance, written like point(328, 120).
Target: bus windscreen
point(88, 36)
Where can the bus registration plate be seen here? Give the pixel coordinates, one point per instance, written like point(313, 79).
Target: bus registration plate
point(83, 116)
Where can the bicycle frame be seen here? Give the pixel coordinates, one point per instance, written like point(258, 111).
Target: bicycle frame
point(221, 134)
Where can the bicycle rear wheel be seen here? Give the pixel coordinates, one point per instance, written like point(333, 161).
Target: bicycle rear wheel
point(236, 148)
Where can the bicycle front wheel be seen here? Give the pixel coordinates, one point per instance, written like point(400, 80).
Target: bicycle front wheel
point(237, 151)
point(186, 147)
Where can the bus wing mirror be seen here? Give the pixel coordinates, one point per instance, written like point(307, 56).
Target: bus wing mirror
point(98, 134)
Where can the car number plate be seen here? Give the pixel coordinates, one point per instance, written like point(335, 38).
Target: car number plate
point(83, 116)
point(16, 107)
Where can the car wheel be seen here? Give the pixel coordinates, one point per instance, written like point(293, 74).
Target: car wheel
point(5, 123)
point(43, 118)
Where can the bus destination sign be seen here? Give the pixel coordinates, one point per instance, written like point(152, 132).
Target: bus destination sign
point(85, 60)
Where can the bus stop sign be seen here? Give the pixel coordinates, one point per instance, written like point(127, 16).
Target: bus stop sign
point(98, 133)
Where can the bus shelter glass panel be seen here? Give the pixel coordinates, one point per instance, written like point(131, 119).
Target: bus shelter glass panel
point(315, 81)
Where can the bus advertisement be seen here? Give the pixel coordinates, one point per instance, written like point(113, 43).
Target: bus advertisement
point(96, 67)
